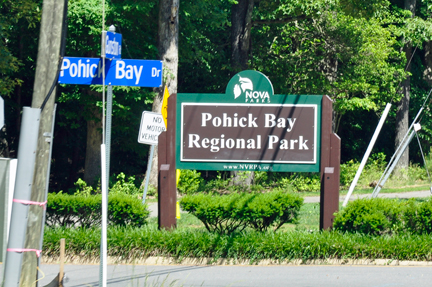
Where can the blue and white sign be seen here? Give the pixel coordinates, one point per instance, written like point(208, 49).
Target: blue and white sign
point(118, 72)
point(113, 45)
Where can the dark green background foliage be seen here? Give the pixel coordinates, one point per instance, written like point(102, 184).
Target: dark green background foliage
point(380, 216)
point(228, 213)
point(85, 211)
point(350, 50)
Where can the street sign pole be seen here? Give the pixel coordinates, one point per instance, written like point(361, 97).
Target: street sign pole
point(108, 130)
point(116, 72)
point(149, 166)
point(103, 242)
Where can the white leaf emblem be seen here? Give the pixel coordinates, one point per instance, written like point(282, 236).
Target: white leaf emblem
point(237, 91)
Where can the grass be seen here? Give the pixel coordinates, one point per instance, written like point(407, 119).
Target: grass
point(136, 243)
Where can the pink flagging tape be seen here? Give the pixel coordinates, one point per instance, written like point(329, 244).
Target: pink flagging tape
point(19, 250)
point(30, 202)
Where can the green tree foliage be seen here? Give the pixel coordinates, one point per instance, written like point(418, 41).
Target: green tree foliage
point(14, 14)
point(19, 21)
point(138, 26)
point(350, 50)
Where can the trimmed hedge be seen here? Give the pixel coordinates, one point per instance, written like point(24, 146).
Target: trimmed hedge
point(228, 213)
point(378, 216)
point(85, 211)
point(418, 217)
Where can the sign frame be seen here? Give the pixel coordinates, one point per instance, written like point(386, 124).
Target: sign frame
point(230, 98)
point(148, 118)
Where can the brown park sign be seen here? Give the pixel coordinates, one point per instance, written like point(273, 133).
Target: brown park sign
point(248, 128)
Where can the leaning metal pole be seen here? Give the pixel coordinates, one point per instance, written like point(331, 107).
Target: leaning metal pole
point(390, 170)
point(22, 192)
point(390, 163)
point(367, 153)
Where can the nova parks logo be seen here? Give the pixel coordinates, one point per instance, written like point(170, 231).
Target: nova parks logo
point(245, 87)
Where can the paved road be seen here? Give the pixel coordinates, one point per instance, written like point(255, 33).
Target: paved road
point(236, 276)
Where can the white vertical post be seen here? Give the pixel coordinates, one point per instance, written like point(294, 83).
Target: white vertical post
point(104, 217)
point(23, 184)
point(13, 172)
point(367, 153)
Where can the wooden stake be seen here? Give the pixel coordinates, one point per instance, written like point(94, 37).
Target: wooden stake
point(62, 259)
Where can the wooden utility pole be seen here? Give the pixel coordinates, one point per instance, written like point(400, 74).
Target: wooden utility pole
point(48, 59)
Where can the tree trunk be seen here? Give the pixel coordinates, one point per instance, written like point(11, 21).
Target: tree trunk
point(402, 120)
point(241, 25)
point(427, 74)
point(92, 168)
point(168, 33)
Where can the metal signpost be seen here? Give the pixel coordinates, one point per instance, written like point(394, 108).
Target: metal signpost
point(117, 72)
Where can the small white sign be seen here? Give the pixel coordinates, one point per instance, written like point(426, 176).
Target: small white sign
point(152, 125)
point(1, 112)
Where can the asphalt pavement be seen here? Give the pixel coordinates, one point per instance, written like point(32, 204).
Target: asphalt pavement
point(238, 276)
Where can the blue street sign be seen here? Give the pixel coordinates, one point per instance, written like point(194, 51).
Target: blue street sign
point(113, 45)
point(118, 72)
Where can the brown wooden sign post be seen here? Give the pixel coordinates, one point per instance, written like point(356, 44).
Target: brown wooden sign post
point(167, 191)
point(330, 166)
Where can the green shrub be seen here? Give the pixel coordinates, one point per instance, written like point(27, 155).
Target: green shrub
point(77, 210)
point(189, 182)
point(261, 177)
point(272, 209)
point(126, 210)
point(125, 186)
point(300, 182)
point(215, 212)
point(375, 216)
point(83, 189)
point(347, 172)
point(385, 216)
point(228, 213)
point(418, 217)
